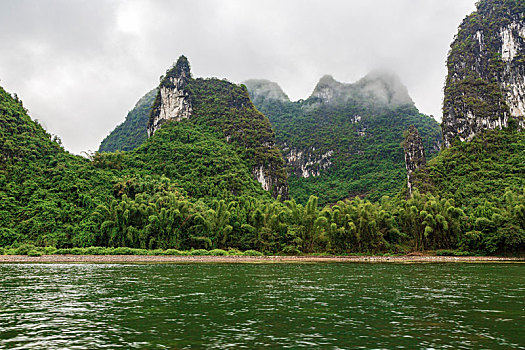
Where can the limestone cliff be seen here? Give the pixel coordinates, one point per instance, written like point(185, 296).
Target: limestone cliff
point(226, 109)
point(172, 101)
point(344, 140)
point(414, 155)
point(376, 88)
point(485, 86)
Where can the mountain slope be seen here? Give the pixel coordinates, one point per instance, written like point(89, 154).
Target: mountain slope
point(345, 139)
point(222, 108)
point(483, 108)
point(46, 194)
point(133, 131)
point(485, 86)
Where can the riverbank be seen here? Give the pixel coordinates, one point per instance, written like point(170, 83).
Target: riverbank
point(249, 259)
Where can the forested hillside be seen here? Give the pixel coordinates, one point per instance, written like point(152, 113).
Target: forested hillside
point(345, 140)
point(127, 199)
point(133, 131)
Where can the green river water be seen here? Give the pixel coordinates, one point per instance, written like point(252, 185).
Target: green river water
point(221, 306)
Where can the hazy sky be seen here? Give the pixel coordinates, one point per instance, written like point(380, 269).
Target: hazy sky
point(80, 66)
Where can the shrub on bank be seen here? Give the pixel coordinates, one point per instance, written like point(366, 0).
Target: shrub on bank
point(252, 253)
point(198, 252)
point(218, 252)
point(449, 252)
point(24, 249)
point(34, 252)
point(234, 252)
point(176, 252)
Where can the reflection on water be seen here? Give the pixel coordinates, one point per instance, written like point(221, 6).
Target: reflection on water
point(456, 306)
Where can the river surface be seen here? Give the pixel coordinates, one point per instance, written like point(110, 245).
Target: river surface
point(222, 306)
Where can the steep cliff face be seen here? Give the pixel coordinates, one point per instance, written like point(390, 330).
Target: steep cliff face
point(414, 155)
point(344, 140)
point(216, 104)
point(485, 86)
point(172, 101)
point(377, 88)
point(227, 108)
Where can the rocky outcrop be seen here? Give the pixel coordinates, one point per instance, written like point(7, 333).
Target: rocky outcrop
point(172, 101)
point(226, 108)
point(414, 155)
point(262, 90)
point(269, 182)
point(307, 163)
point(485, 86)
point(377, 88)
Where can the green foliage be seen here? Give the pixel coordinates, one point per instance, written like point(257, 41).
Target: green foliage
point(133, 131)
point(479, 170)
point(448, 252)
point(227, 109)
point(477, 72)
point(200, 252)
point(252, 253)
point(364, 136)
point(197, 159)
point(34, 253)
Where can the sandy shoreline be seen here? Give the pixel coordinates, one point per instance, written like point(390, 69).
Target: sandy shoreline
point(248, 259)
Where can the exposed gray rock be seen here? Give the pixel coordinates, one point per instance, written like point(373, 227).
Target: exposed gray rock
point(172, 101)
point(485, 87)
point(262, 89)
point(414, 155)
point(377, 88)
point(306, 164)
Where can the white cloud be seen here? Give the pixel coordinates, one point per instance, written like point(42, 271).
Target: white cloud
point(80, 66)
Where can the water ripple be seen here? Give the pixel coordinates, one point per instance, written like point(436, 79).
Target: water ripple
point(222, 306)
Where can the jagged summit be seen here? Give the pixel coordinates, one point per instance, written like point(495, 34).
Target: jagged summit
point(376, 88)
point(386, 87)
point(181, 69)
point(327, 89)
point(262, 89)
point(485, 86)
point(215, 105)
point(172, 101)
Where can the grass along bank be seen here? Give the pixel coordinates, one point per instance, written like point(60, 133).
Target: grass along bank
point(29, 250)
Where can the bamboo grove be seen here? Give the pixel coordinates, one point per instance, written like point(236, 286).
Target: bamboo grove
point(424, 222)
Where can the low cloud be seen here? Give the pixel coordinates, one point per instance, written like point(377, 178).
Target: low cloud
point(79, 66)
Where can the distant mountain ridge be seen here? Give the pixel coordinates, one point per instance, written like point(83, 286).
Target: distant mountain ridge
point(345, 139)
point(377, 88)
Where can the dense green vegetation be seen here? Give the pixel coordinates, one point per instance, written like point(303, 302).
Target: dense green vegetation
point(480, 78)
point(187, 188)
point(479, 170)
point(227, 108)
point(365, 137)
point(133, 131)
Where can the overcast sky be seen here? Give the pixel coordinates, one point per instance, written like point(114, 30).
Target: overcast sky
point(80, 66)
